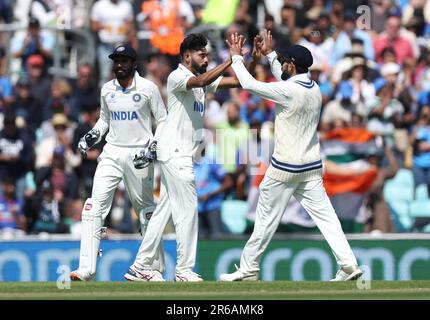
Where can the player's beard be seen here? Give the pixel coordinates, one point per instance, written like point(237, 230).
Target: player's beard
point(124, 73)
point(199, 69)
point(285, 75)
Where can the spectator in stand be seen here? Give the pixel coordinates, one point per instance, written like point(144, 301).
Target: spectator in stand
point(253, 159)
point(384, 113)
point(112, 20)
point(47, 210)
point(320, 47)
point(253, 108)
point(84, 92)
point(379, 218)
point(16, 154)
point(12, 219)
point(6, 88)
point(64, 183)
point(341, 108)
point(420, 140)
point(392, 38)
point(362, 90)
point(62, 137)
point(231, 134)
point(40, 83)
point(343, 43)
point(157, 70)
point(6, 11)
point(211, 181)
point(58, 101)
point(26, 106)
point(34, 42)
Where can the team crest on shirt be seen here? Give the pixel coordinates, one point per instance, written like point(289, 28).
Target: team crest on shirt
point(111, 97)
point(136, 97)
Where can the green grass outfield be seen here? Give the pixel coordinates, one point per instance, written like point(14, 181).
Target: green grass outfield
point(217, 290)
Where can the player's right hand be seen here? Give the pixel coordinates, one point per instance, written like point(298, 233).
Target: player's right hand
point(267, 44)
point(88, 140)
point(83, 147)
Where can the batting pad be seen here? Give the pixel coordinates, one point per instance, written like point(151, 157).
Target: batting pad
point(91, 234)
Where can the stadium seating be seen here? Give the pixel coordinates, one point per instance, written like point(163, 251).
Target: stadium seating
point(233, 215)
point(421, 192)
point(399, 194)
point(400, 215)
point(420, 209)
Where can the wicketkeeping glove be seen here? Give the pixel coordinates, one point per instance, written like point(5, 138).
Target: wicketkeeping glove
point(88, 141)
point(146, 155)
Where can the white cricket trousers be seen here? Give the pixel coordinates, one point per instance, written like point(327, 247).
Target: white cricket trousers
point(116, 164)
point(272, 203)
point(178, 199)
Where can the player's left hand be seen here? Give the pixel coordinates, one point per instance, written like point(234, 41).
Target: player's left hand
point(235, 44)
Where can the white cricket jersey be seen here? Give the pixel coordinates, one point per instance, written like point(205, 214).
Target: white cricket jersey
point(183, 129)
point(298, 105)
point(126, 113)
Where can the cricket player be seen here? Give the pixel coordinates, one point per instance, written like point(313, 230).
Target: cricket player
point(126, 106)
point(296, 167)
point(187, 87)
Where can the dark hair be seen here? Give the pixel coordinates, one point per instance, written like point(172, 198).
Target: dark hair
point(194, 41)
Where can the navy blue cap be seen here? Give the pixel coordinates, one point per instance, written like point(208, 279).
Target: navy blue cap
point(123, 51)
point(297, 54)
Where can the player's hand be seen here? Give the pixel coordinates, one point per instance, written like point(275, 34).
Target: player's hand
point(146, 155)
point(83, 147)
point(88, 141)
point(256, 50)
point(267, 45)
point(235, 43)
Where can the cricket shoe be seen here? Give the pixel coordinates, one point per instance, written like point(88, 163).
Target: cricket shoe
point(188, 277)
point(348, 273)
point(80, 276)
point(239, 276)
point(137, 274)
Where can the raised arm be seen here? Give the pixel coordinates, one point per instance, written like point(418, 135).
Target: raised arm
point(268, 50)
point(233, 82)
point(208, 77)
point(274, 91)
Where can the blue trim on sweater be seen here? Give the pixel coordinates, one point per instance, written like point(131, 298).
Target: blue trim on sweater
point(295, 171)
point(307, 85)
point(298, 166)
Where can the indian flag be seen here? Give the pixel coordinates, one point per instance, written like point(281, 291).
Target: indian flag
point(348, 175)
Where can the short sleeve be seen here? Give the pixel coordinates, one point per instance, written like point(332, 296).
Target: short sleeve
point(211, 88)
point(177, 81)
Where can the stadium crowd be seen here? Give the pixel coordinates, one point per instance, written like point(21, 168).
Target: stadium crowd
point(372, 64)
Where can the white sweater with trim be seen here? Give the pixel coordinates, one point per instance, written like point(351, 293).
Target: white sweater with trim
point(298, 105)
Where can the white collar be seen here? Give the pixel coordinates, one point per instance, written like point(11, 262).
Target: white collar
point(133, 84)
point(299, 77)
point(185, 69)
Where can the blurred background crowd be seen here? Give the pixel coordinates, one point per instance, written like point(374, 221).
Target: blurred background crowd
point(371, 60)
